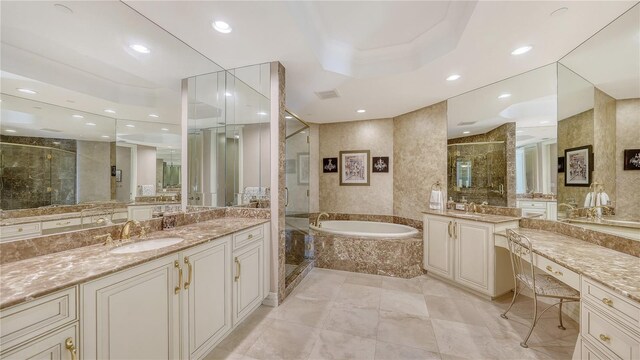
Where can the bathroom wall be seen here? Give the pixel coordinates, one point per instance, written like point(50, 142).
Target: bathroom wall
point(604, 142)
point(373, 135)
point(314, 171)
point(573, 131)
point(419, 158)
point(94, 167)
point(255, 140)
point(627, 182)
point(504, 173)
point(146, 165)
point(123, 161)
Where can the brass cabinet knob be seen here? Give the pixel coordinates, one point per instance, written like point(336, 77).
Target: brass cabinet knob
point(68, 343)
point(607, 301)
point(604, 337)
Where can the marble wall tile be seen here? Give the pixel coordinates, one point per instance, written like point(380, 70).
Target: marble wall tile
point(627, 182)
point(604, 142)
point(373, 135)
point(278, 72)
point(315, 168)
point(419, 158)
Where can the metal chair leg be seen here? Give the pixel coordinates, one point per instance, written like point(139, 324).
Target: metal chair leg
point(560, 316)
point(533, 322)
point(513, 300)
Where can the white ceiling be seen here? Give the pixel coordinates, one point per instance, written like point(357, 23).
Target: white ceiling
point(384, 57)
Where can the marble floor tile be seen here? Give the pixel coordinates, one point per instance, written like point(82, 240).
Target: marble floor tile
point(284, 340)
point(386, 351)
point(353, 321)
point(219, 354)
point(333, 345)
point(304, 311)
point(364, 279)
point(401, 329)
point(404, 303)
point(407, 285)
point(465, 340)
point(358, 296)
point(456, 309)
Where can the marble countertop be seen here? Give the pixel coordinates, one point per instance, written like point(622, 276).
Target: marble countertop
point(32, 278)
point(487, 218)
point(53, 217)
point(613, 269)
point(536, 199)
point(606, 220)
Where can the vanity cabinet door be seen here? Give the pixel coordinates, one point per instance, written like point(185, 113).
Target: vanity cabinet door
point(248, 280)
point(438, 245)
point(206, 296)
point(133, 314)
point(473, 254)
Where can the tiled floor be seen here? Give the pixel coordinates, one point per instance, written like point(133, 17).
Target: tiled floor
point(342, 315)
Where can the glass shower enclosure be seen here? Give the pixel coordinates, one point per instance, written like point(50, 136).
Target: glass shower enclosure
point(297, 167)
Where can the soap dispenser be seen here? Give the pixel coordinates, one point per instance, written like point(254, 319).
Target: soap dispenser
point(450, 203)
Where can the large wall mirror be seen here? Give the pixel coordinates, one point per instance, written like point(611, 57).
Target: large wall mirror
point(502, 144)
point(91, 113)
point(599, 130)
point(229, 138)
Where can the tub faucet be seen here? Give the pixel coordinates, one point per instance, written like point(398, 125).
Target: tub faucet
point(318, 219)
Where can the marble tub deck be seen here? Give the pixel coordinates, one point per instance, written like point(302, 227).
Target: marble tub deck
point(341, 315)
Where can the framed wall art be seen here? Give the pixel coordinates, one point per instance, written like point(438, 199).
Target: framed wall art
point(380, 164)
point(330, 165)
point(354, 168)
point(578, 166)
point(632, 159)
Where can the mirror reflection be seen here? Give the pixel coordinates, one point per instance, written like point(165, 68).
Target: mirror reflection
point(91, 107)
point(599, 112)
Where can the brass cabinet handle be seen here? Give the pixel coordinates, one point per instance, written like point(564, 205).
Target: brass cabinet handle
point(188, 283)
point(250, 236)
point(607, 301)
point(604, 337)
point(63, 223)
point(19, 229)
point(449, 229)
point(455, 232)
point(237, 270)
point(72, 348)
point(550, 269)
point(176, 265)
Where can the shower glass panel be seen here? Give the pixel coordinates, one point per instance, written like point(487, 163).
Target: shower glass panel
point(296, 197)
point(477, 172)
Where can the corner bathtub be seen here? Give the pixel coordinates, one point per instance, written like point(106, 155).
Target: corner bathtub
point(368, 247)
point(368, 229)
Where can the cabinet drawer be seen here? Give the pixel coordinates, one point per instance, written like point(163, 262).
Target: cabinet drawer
point(26, 321)
point(532, 204)
point(589, 352)
point(20, 231)
point(51, 346)
point(559, 272)
point(611, 303)
point(60, 223)
point(599, 330)
point(246, 237)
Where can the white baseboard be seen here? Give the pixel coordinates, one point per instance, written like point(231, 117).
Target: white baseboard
point(271, 300)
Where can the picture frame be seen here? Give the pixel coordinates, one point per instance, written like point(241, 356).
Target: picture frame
point(354, 168)
point(303, 168)
point(330, 165)
point(290, 166)
point(631, 159)
point(118, 175)
point(380, 164)
point(561, 164)
point(578, 166)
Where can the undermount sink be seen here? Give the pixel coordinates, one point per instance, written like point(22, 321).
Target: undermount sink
point(468, 215)
point(146, 245)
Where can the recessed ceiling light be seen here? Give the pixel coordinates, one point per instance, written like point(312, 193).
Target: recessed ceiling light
point(27, 91)
point(228, 94)
point(10, 131)
point(466, 132)
point(453, 77)
point(154, 116)
point(130, 125)
point(90, 124)
point(288, 117)
point(221, 26)
point(544, 122)
point(262, 113)
point(361, 111)
point(521, 50)
point(77, 116)
point(109, 111)
point(105, 136)
point(504, 96)
point(164, 129)
point(140, 48)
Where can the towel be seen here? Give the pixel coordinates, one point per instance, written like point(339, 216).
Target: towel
point(436, 202)
point(604, 198)
point(588, 200)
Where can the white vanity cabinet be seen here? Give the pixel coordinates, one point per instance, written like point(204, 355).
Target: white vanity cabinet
point(249, 268)
point(463, 251)
point(133, 314)
point(206, 296)
point(545, 210)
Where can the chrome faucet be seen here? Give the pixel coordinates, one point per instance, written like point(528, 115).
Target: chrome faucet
point(318, 219)
point(125, 233)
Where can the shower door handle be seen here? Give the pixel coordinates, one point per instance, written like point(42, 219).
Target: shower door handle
point(286, 196)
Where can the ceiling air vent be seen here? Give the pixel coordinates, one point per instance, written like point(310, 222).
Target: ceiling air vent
point(51, 130)
point(466, 123)
point(324, 95)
